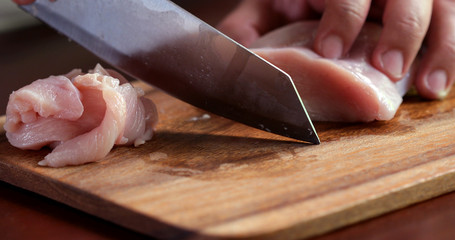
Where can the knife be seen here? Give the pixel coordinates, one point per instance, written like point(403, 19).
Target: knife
point(160, 43)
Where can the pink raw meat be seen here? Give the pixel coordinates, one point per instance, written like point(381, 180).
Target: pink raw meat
point(81, 118)
point(344, 90)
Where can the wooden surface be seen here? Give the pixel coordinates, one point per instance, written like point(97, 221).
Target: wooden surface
point(26, 215)
point(201, 178)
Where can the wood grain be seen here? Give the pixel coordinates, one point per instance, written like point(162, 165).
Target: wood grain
point(213, 178)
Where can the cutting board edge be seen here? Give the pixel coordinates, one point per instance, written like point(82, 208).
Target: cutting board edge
point(136, 221)
point(367, 210)
point(93, 205)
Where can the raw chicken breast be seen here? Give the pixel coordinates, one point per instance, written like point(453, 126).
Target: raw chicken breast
point(30, 110)
point(345, 90)
point(81, 118)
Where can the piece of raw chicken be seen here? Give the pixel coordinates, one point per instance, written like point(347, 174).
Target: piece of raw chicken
point(344, 90)
point(81, 116)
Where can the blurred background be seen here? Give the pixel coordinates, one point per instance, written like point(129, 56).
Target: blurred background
point(30, 50)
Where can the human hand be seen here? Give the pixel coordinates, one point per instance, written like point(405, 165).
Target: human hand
point(407, 26)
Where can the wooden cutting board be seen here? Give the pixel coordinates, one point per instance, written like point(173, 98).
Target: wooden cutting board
point(203, 176)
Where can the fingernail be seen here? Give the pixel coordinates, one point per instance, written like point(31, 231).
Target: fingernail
point(436, 82)
point(392, 63)
point(332, 47)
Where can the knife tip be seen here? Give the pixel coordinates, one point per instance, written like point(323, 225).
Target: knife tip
point(314, 139)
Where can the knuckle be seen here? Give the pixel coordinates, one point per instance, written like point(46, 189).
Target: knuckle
point(411, 26)
point(352, 10)
point(447, 48)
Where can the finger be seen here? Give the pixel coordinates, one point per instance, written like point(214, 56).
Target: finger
point(436, 72)
point(405, 26)
point(23, 2)
point(253, 18)
point(249, 20)
point(294, 10)
point(340, 24)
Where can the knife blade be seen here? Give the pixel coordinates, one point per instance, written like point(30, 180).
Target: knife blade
point(160, 43)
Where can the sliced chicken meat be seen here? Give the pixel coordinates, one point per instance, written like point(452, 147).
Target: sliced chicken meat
point(345, 90)
point(81, 119)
